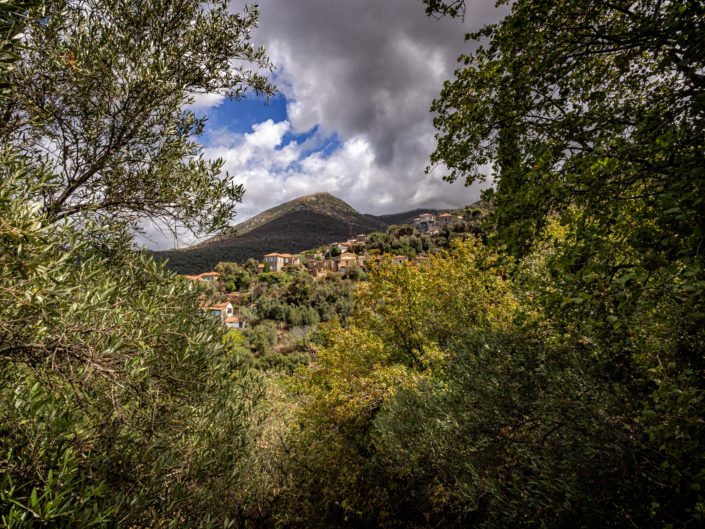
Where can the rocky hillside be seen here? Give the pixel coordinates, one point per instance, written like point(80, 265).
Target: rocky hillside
point(300, 224)
point(294, 226)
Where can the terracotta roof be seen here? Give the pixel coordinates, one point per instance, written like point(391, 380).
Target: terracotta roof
point(233, 319)
point(285, 255)
point(400, 257)
point(204, 274)
point(216, 306)
point(274, 255)
point(260, 266)
point(446, 215)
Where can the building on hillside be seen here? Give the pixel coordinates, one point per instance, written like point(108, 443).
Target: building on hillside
point(362, 262)
point(343, 247)
point(291, 260)
point(260, 268)
point(420, 259)
point(219, 310)
point(361, 238)
point(447, 219)
point(206, 277)
point(278, 261)
point(326, 264)
point(234, 322)
point(344, 260)
point(275, 261)
point(318, 273)
point(399, 259)
point(426, 223)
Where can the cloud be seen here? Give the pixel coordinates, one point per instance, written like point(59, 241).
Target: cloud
point(274, 171)
point(367, 71)
point(364, 73)
point(204, 101)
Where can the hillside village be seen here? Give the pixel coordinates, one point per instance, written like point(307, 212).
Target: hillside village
point(231, 291)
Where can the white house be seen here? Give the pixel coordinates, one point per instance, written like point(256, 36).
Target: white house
point(219, 310)
point(234, 322)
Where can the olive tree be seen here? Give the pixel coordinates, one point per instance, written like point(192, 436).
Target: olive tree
point(99, 102)
point(119, 405)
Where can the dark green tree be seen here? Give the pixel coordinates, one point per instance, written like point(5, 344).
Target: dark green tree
point(591, 115)
point(119, 405)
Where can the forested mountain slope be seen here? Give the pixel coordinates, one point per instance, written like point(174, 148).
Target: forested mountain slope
point(294, 226)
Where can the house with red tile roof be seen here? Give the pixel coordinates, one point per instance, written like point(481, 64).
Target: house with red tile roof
point(426, 223)
point(447, 219)
point(220, 310)
point(278, 261)
point(206, 277)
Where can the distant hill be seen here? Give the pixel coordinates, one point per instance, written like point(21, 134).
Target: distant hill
point(300, 224)
point(297, 225)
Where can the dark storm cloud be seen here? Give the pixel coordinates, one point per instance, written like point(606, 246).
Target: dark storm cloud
point(367, 71)
point(369, 68)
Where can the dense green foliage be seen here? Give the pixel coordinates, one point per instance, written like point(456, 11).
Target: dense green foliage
point(545, 370)
point(571, 393)
point(118, 401)
point(119, 404)
point(592, 113)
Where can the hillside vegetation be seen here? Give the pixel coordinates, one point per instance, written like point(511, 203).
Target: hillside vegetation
point(301, 224)
point(540, 364)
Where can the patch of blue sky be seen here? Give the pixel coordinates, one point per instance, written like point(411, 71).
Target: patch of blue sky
point(239, 116)
point(311, 142)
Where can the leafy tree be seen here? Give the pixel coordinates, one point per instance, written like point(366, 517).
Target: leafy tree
point(119, 405)
point(592, 113)
point(114, 390)
point(105, 84)
point(263, 336)
point(403, 328)
point(228, 271)
point(251, 266)
point(354, 272)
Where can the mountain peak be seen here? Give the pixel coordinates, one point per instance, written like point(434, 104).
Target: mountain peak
point(300, 224)
point(321, 204)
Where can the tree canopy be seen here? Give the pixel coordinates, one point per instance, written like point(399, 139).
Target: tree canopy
point(99, 102)
point(119, 405)
point(590, 114)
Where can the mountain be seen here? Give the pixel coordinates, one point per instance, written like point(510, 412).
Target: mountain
point(297, 225)
point(300, 224)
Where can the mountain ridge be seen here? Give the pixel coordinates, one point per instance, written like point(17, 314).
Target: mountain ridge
point(296, 225)
point(321, 202)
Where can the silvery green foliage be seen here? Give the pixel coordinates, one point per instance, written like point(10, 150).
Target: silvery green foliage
point(118, 402)
point(99, 97)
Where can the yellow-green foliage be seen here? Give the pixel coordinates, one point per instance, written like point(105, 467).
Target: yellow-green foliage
point(406, 322)
point(405, 318)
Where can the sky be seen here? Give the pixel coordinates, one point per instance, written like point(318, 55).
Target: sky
point(355, 82)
